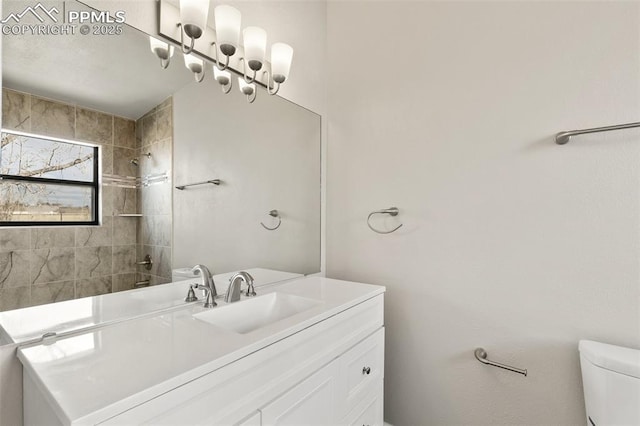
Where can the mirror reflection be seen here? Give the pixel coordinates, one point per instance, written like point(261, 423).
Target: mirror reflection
point(156, 129)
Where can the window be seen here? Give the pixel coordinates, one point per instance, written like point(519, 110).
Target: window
point(47, 181)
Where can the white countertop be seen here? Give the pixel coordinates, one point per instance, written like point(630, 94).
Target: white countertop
point(29, 324)
point(110, 369)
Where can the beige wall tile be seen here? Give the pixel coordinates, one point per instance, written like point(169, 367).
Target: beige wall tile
point(15, 298)
point(56, 264)
point(94, 126)
point(94, 286)
point(16, 110)
point(124, 132)
point(52, 118)
point(52, 237)
point(15, 239)
point(52, 292)
point(122, 282)
point(14, 268)
point(94, 262)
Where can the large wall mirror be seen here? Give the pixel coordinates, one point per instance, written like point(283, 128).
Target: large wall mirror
point(155, 129)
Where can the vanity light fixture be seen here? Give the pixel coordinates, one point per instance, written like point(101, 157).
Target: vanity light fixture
point(281, 56)
point(223, 78)
point(193, 21)
point(255, 46)
point(164, 51)
point(196, 66)
point(227, 21)
point(248, 89)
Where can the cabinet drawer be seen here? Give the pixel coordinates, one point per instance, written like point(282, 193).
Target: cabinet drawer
point(363, 366)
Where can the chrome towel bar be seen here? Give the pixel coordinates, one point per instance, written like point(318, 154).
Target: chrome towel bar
point(481, 355)
point(212, 181)
point(564, 137)
point(274, 214)
point(391, 211)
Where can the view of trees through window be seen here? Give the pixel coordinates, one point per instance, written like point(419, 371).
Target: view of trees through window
point(47, 181)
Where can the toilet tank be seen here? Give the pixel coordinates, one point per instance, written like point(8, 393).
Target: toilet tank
point(611, 383)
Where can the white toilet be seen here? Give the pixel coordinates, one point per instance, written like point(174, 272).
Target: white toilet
point(611, 382)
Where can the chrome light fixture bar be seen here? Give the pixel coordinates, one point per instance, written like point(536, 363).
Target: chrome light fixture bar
point(190, 20)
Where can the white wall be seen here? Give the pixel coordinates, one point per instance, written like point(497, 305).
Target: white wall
point(267, 155)
point(447, 110)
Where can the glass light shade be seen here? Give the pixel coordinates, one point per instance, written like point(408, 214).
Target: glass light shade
point(281, 56)
point(222, 77)
point(193, 63)
point(194, 12)
point(227, 20)
point(255, 45)
point(245, 87)
point(160, 48)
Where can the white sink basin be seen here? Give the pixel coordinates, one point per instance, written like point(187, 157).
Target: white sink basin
point(249, 315)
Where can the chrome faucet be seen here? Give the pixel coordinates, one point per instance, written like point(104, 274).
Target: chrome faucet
point(233, 292)
point(207, 285)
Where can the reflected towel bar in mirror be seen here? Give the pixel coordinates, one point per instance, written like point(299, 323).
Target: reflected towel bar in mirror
point(274, 214)
point(213, 182)
point(564, 137)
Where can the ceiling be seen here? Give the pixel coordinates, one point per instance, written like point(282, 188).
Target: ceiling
point(117, 74)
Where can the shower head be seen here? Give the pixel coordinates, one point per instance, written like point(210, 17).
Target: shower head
point(136, 162)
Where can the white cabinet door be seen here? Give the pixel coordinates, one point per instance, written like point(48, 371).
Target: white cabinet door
point(311, 402)
point(369, 411)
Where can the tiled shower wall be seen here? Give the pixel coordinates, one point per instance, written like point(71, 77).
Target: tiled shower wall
point(154, 135)
point(42, 265)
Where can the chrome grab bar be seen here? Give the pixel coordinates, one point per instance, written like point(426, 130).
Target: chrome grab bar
point(139, 284)
point(212, 181)
point(481, 355)
point(564, 137)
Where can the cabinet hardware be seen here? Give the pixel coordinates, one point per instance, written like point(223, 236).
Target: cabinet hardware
point(366, 370)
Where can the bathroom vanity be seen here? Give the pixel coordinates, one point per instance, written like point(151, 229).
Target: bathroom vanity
point(308, 351)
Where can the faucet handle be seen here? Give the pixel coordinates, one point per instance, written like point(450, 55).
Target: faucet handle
point(191, 295)
point(251, 290)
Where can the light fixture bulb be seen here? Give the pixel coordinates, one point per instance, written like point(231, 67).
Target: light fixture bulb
point(222, 77)
point(161, 49)
point(193, 64)
point(227, 21)
point(246, 88)
point(255, 45)
point(281, 56)
point(193, 16)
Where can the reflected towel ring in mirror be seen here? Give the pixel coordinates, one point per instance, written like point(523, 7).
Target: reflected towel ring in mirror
point(392, 211)
point(273, 213)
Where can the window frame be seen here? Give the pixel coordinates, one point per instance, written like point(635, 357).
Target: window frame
point(95, 184)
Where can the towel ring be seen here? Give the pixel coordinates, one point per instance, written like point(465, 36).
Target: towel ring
point(392, 211)
point(273, 213)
